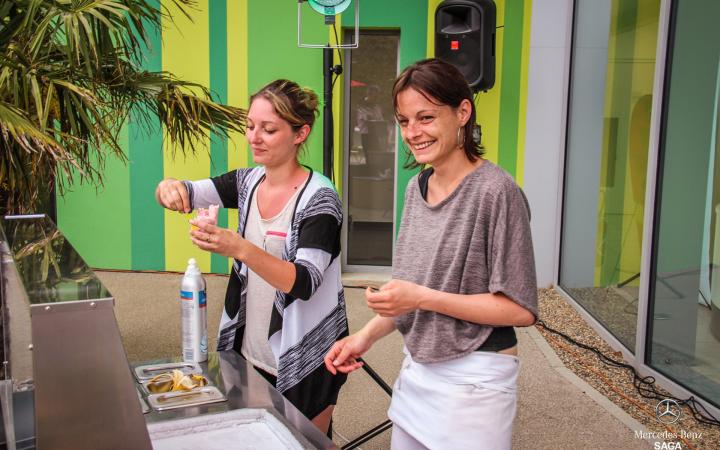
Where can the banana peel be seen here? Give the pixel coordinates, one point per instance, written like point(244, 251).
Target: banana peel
point(175, 381)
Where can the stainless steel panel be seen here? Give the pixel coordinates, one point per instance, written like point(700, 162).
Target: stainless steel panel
point(17, 341)
point(60, 335)
point(85, 396)
point(8, 414)
point(70, 306)
point(38, 266)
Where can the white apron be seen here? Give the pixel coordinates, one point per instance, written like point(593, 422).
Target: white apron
point(464, 403)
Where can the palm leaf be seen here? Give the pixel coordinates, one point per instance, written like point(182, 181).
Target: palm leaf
point(69, 77)
point(16, 129)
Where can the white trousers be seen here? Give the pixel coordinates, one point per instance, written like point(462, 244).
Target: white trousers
point(464, 403)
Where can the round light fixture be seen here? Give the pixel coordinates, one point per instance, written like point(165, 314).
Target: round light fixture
point(329, 7)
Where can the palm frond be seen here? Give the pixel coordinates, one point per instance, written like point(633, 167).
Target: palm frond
point(187, 111)
point(70, 76)
point(16, 129)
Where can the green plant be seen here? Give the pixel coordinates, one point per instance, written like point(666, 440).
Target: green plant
point(70, 73)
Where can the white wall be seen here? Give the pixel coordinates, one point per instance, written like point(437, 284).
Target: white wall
point(551, 29)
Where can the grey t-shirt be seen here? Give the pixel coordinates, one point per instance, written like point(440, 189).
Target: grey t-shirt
point(475, 241)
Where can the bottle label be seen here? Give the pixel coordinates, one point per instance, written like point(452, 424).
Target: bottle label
point(194, 325)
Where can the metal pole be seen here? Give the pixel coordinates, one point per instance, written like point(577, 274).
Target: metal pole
point(379, 428)
point(374, 375)
point(327, 112)
point(367, 436)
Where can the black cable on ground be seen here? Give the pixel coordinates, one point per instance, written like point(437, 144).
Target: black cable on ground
point(644, 385)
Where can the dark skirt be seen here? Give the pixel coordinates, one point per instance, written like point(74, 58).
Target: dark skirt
point(314, 393)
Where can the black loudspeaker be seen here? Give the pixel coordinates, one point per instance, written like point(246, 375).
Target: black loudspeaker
point(465, 37)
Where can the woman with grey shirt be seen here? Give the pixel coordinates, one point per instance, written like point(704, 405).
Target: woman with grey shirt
point(463, 277)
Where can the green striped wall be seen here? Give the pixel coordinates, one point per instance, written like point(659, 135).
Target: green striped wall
point(147, 233)
point(273, 53)
point(235, 47)
point(219, 84)
point(413, 47)
point(97, 222)
point(186, 53)
point(501, 111)
point(512, 22)
point(237, 84)
point(506, 102)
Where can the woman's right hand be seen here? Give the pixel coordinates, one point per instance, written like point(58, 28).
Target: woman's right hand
point(343, 355)
point(172, 194)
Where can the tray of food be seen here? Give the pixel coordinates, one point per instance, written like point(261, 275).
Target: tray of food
point(180, 399)
point(174, 381)
point(146, 372)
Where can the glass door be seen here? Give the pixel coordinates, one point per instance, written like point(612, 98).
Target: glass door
point(369, 172)
point(612, 81)
point(683, 340)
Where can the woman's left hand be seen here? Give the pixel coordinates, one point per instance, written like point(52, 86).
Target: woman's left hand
point(395, 298)
point(218, 240)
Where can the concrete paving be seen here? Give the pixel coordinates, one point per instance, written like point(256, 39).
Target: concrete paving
point(556, 409)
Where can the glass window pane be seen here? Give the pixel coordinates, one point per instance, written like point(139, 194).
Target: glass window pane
point(371, 165)
point(684, 326)
point(611, 84)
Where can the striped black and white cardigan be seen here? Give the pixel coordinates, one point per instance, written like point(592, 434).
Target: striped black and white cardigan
point(306, 321)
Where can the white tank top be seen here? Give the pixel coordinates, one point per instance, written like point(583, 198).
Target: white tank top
point(269, 235)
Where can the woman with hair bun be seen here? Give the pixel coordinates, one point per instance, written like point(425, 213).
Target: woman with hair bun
point(284, 306)
point(463, 277)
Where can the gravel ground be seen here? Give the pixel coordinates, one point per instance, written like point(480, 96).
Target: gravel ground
point(614, 383)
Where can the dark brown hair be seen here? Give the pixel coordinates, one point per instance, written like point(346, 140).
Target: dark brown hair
point(296, 105)
point(443, 84)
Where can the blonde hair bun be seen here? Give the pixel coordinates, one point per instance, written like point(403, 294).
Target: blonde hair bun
point(296, 105)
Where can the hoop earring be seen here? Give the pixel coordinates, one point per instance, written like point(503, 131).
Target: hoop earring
point(460, 137)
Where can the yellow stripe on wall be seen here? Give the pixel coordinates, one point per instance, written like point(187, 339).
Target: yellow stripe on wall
point(525, 65)
point(185, 54)
point(337, 107)
point(238, 95)
point(432, 6)
point(488, 103)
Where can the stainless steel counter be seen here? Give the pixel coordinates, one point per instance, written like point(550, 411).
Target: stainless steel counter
point(60, 340)
point(64, 378)
point(244, 388)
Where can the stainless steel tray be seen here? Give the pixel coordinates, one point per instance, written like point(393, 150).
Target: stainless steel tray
point(146, 372)
point(180, 399)
point(143, 403)
point(240, 429)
